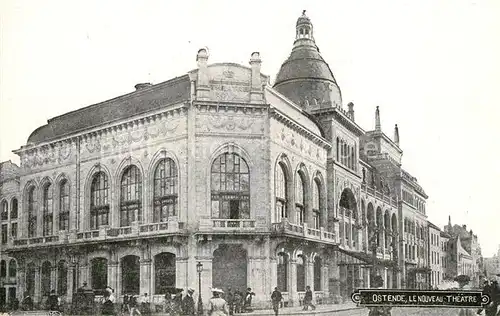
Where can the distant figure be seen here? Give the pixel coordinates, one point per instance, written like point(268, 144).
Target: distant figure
point(177, 306)
point(276, 298)
point(230, 300)
point(217, 305)
point(188, 304)
point(237, 301)
point(53, 301)
point(125, 305)
point(168, 303)
point(308, 299)
point(133, 304)
point(27, 302)
point(247, 307)
point(145, 304)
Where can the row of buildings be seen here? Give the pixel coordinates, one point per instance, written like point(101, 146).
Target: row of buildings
point(264, 185)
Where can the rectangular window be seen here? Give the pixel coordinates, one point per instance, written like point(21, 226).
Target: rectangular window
point(13, 228)
point(4, 233)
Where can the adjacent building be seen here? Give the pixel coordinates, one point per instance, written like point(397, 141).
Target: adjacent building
point(492, 266)
point(435, 255)
point(264, 185)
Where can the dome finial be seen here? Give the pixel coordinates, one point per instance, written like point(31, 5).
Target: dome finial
point(303, 12)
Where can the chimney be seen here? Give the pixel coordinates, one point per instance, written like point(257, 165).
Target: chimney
point(350, 106)
point(377, 120)
point(141, 86)
point(396, 134)
point(203, 89)
point(256, 90)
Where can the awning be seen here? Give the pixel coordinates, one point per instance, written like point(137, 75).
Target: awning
point(362, 258)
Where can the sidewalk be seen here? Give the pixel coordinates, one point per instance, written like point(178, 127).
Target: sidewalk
point(297, 310)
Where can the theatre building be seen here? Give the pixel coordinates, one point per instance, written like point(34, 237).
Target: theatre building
point(264, 185)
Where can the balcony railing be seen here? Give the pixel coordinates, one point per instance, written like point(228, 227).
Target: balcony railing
point(233, 223)
point(379, 195)
point(286, 227)
point(100, 234)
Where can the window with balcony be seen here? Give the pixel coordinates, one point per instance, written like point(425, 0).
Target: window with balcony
point(31, 206)
point(299, 200)
point(165, 190)
point(130, 196)
point(47, 208)
point(316, 205)
point(280, 191)
point(4, 215)
point(13, 209)
point(64, 205)
point(230, 182)
point(99, 201)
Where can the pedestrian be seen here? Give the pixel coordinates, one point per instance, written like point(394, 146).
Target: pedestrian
point(53, 301)
point(230, 301)
point(237, 301)
point(27, 302)
point(276, 298)
point(168, 303)
point(134, 305)
point(125, 307)
point(308, 299)
point(177, 304)
point(145, 304)
point(217, 305)
point(108, 304)
point(247, 306)
point(188, 303)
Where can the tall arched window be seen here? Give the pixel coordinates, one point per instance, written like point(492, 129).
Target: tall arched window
point(230, 187)
point(338, 149)
point(45, 278)
point(13, 209)
point(64, 205)
point(131, 197)
point(12, 268)
point(165, 190)
point(282, 274)
point(280, 189)
point(99, 201)
point(99, 273)
point(47, 210)
point(299, 200)
point(62, 278)
point(31, 212)
point(164, 264)
point(316, 204)
point(301, 273)
point(3, 269)
point(4, 211)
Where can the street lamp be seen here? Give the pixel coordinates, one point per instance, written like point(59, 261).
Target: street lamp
point(199, 269)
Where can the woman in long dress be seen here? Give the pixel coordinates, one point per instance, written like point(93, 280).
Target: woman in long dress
point(217, 305)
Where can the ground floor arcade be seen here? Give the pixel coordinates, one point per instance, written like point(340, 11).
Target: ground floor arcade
point(229, 261)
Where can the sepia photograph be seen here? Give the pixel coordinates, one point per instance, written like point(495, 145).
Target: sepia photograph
point(249, 157)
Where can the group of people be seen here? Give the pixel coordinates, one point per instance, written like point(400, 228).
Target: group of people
point(492, 289)
point(237, 301)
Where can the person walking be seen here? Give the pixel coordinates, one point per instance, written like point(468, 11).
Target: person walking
point(145, 304)
point(247, 305)
point(230, 300)
point(53, 301)
point(188, 304)
point(134, 305)
point(217, 306)
point(237, 301)
point(308, 299)
point(276, 298)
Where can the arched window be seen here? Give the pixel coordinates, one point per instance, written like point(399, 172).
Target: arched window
point(64, 205)
point(317, 274)
point(31, 212)
point(230, 187)
point(280, 189)
point(131, 197)
point(299, 200)
point(164, 272)
point(3, 269)
point(13, 209)
point(282, 281)
point(99, 201)
point(4, 211)
point(165, 190)
point(12, 268)
point(47, 210)
point(130, 274)
point(338, 149)
point(316, 205)
point(301, 273)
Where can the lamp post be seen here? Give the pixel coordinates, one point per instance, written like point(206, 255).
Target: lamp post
point(199, 269)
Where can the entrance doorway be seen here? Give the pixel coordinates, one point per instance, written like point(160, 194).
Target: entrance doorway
point(229, 268)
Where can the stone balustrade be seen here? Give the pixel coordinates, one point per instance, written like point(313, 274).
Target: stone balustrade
point(285, 227)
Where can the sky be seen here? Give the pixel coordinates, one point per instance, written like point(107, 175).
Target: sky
point(432, 67)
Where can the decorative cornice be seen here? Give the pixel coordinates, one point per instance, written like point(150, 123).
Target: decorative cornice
point(341, 115)
point(283, 118)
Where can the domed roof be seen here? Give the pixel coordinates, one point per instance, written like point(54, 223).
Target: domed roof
point(305, 77)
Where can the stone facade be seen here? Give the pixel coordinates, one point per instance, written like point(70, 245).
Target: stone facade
point(219, 168)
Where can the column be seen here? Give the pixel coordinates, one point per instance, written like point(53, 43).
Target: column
point(366, 276)
point(273, 271)
point(21, 280)
point(145, 273)
point(334, 276)
point(83, 272)
point(256, 279)
point(358, 274)
point(38, 285)
point(309, 272)
point(181, 272)
point(350, 230)
point(292, 284)
point(385, 279)
point(113, 275)
point(70, 284)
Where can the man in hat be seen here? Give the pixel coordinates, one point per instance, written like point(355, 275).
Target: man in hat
point(276, 298)
point(188, 303)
